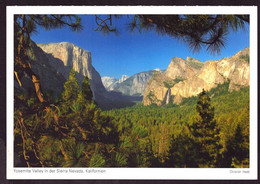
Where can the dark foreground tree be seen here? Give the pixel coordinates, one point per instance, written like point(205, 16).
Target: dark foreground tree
point(237, 150)
point(72, 133)
point(71, 91)
point(183, 151)
point(206, 133)
point(86, 90)
point(24, 27)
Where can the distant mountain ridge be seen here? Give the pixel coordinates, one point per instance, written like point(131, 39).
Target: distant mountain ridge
point(110, 82)
point(136, 84)
point(123, 78)
point(186, 78)
point(130, 86)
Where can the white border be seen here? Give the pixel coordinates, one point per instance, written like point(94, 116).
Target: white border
point(136, 173)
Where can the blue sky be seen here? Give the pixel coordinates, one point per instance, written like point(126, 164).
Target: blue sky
point(129, 53)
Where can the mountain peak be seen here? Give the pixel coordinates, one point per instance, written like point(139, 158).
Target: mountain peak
point(157, 69)
point(62, 44)
point(109, 82)
point(181, 68)
point(176, 59)
point(191, 59)
point(243, 52)
point(123, 78)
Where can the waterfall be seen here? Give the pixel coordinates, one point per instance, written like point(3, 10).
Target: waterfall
point(168, 95)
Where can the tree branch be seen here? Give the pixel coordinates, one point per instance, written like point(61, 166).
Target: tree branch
point(244, 18)
point(103, 21)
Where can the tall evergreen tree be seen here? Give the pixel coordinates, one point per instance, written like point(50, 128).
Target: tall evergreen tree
point(206, 132)
point(183, 150)
point(237, 150)
point(86, 90)
point(71, 90)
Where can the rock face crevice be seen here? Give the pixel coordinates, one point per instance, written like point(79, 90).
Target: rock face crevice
point(168, 96)
point(188, 77)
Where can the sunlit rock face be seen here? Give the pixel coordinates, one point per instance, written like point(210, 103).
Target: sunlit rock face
point(186, 78)
point(181, 68)
point(155, 91)
point(63, 56)
point(236, 69)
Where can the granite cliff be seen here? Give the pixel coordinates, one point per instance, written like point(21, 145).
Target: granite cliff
point(53, 62)
point(70, 56)
point(186, 78)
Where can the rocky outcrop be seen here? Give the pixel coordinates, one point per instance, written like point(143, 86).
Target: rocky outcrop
point(236, 69)
point(186, 78)
point(180, 68)
point(155, 90)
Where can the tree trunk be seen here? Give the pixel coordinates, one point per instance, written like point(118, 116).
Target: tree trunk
point(35, 79)
point(20, 59)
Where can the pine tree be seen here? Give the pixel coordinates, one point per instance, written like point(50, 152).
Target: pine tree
point(36, 122)
point(86, 90)
point(206, 132)
point(183, 150)
point(237, 150)
point(78, 134)
point(71, 91)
